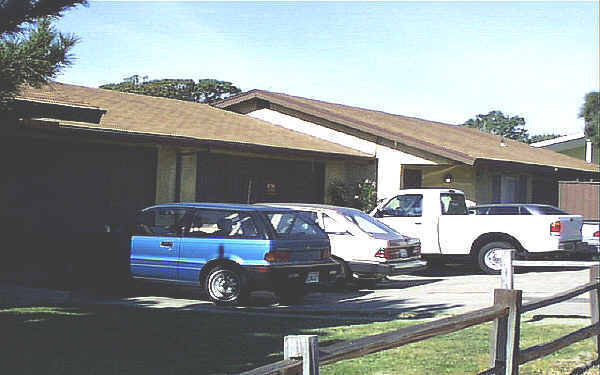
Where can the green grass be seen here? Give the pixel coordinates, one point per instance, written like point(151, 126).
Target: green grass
point(122, 340)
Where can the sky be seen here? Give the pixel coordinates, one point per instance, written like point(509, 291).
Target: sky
point(440, 61)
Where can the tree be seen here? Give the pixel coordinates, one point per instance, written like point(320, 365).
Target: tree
point(497, 123)
point(590, 112)
point(542, 137)
point(31, 51)
point(203, 91)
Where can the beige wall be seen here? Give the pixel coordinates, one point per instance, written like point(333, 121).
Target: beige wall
point(464, 178)
point(166, 170)
point(165, 174)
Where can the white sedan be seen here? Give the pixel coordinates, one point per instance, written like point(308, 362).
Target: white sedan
point(367, 249)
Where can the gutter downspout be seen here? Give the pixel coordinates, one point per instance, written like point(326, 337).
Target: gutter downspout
point(588, 151)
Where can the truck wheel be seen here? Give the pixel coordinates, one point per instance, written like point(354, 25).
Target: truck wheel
point(226, 286)
point(489, 257)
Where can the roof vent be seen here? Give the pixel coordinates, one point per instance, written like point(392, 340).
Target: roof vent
point(502, 143)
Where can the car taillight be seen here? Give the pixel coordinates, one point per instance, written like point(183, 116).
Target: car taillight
point(326, 253)
point(277, 256)
point(555, 227)
point(597, 233)
point(387, 253)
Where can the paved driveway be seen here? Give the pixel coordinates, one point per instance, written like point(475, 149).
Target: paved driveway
point(450, 290)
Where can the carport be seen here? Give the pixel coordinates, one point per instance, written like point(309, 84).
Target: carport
point(80, 162)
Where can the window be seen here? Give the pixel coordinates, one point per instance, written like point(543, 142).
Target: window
point(453, 204)
point(369, 225)
point(409, 205)
point(160, 222)
point(294, 225)
point(332, 226)
point(221, 224)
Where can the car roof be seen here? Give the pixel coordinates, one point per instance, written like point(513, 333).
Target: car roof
point(313, 206)
point(220, 206)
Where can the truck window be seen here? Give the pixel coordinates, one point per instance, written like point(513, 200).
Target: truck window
point(453, 204)
point(409, 205)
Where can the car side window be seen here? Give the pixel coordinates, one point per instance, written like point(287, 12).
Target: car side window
point(409, 205)
point(222, 224)
point(162, 221)
point(333, 227)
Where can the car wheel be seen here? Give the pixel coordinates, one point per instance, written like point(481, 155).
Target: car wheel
point(345, 276)
point(291, 294)
point(489, 257)
point(226, 286)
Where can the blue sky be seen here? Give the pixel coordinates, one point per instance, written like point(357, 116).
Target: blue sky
point(442, 61)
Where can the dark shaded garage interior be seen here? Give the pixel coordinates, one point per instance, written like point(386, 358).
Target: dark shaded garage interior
point(241, 179)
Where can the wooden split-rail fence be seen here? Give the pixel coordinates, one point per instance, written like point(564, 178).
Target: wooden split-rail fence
point(303, 356)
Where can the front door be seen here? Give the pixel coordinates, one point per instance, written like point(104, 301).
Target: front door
point(155, 246)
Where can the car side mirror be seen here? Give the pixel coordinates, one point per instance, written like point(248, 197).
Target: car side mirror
point(378, 213)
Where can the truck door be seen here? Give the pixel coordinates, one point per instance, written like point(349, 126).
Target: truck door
point(404, 213)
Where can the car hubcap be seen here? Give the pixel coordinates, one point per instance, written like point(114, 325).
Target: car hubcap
point(224, 285)
point(493, 259)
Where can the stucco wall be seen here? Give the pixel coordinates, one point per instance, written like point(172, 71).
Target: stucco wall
point(389, 160)
point(188, 177)
point(165, 174)
point(464, 178)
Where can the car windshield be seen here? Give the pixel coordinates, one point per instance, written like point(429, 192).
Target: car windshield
point(368, 224)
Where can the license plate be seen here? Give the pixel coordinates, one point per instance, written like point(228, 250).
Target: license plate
point(312, 277)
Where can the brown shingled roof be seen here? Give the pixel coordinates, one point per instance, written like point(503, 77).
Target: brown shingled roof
point(170, 117)
point(454, 142)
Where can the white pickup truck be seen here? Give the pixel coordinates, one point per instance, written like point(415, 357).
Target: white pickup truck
point(439, 217)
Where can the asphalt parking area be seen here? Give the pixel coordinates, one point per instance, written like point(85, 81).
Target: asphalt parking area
point(440, 291)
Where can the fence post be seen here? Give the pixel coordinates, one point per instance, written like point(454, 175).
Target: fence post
point(594, 305)
point(305, 347)
point(507, 273)
point(506, 333)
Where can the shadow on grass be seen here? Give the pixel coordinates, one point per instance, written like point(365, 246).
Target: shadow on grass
point(103, 339)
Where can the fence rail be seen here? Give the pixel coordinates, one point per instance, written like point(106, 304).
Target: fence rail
point(303, 356)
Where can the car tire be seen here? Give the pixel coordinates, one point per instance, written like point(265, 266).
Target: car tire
point(226, 286)
point(488, 257)
point(346, 273)
point(291, 294)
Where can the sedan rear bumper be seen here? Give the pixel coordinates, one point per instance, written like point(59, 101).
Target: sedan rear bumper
point(366, 268)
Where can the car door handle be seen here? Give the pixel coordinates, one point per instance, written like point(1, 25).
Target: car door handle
point(417, 223)
point(166, 244)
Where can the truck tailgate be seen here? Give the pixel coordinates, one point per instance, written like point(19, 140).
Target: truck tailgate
point(571, 228)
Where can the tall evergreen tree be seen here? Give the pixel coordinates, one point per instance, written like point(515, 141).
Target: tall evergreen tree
point(31, 50)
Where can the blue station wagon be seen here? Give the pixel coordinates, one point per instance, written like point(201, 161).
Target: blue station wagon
point(230, 250)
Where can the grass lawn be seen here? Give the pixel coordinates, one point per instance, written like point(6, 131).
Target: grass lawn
point(102, 339)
